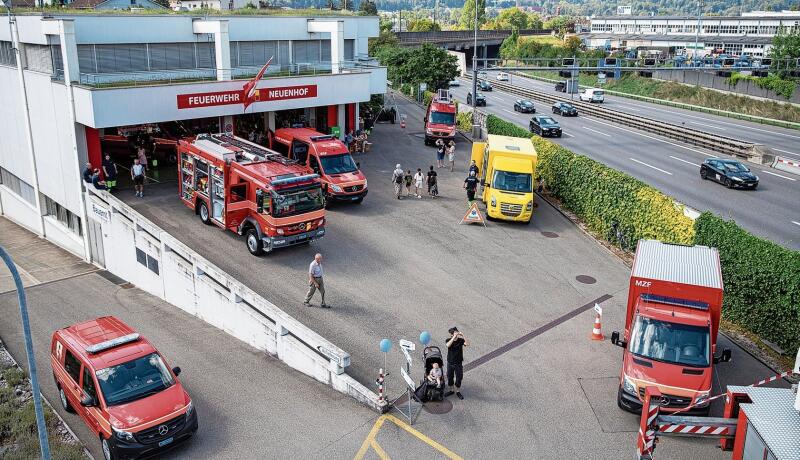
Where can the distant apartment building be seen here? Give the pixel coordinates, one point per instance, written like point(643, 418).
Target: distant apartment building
point(749, 34)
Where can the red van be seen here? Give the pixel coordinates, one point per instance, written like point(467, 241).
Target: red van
point(326, 156)
point(122, 387)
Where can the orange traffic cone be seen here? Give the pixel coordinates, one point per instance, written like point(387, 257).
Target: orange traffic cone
point(597, 333)
point(402, 122)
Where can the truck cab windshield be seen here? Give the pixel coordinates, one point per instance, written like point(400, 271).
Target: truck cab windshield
point(511, 181)
point(670, 342)
point(134, 380)
point(338, 164)
point(443, 118)
point(292, 202)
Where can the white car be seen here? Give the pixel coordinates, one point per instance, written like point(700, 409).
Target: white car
point(454, 83)
point(502, 76)
point(592, 95)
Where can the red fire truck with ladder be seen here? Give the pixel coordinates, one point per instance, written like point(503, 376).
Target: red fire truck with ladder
point(251, 190)
point(758, 423)
point(440, 119)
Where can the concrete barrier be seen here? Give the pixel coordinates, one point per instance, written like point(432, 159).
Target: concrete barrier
point(135, 249)
point(787, 165)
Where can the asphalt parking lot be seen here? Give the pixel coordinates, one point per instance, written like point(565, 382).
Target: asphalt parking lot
point(535, 386)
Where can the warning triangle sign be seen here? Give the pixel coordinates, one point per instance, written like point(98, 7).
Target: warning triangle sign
point(473, 215)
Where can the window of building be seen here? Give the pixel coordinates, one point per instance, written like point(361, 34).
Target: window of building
point(7, 54)
point(63, 215)
point(147, 260)
point(18, 186)
point(72, 366)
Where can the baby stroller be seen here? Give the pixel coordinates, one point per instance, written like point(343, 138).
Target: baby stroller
point(429, 392)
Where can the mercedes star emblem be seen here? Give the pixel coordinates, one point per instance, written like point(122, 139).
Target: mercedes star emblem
point(664, 401)
point(163, 429)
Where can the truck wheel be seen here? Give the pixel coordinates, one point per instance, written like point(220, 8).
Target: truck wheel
point(202, 210)
point(107, 454)
point(64, 401)
point(703, 174)
point(254, 243)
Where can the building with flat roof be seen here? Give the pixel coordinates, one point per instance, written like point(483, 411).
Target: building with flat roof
point(749, 34)
point(82, 85)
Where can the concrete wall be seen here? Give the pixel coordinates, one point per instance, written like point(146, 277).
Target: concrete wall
point(712, 80)
point(140, 252)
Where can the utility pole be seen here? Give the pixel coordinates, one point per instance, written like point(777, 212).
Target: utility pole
point(475, 61)
point(699, 23)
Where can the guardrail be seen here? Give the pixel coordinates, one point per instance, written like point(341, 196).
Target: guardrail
point(462, 35)
point(138, 251)
point(681, 105)
point(745, 150)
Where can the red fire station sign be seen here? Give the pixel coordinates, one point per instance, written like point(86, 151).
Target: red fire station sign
point(196, 100)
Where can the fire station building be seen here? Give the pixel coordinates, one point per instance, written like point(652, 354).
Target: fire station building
point(87, 84)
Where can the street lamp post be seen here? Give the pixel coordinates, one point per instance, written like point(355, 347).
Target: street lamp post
point(699, 22)
point(26, 330)
point(475, 60)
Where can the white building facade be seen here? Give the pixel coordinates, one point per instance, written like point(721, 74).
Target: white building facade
point(748, 34)
point(76, 76)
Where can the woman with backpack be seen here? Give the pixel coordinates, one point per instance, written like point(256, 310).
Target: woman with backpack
point(397, 178)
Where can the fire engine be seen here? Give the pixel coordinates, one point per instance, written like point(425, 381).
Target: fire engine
point(251, 190)
point(440, 119)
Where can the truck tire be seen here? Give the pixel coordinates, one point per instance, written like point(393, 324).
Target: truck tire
point(202, 211)
point(254, 243)
point(64, 401)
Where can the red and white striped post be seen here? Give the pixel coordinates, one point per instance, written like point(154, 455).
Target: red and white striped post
point(380, 386)
point(645, 443)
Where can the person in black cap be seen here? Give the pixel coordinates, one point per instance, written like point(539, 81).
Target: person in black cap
point(455, 357)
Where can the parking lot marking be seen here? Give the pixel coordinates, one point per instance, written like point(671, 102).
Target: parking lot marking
point(650, 166)
point(371, 442)
point(687, 162)
point(533, 334)
point(596, 131)
point(778, 175)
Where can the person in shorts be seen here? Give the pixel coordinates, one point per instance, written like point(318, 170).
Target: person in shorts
point(419, 178)
point(451, 154)
point(137, 174)
point(440, 150)
point(433, 186)
point(397, 180)
point(409, 180)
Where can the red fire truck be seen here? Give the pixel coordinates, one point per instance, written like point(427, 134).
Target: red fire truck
point(440, 120)
point(253, 191)
point(327, 156)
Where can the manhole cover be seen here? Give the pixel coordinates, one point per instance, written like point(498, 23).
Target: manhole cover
point(585, 279)
point(438, 407)
point(550, 234)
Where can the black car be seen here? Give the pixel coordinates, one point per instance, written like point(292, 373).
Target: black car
point(524, 106)
point(567, 110)
point(561, 86)
point(484, 85)
point(480, 100)
point(730, 173)
point(545, 126)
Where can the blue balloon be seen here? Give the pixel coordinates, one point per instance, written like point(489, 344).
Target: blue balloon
point(425, 337)
point(386, 345)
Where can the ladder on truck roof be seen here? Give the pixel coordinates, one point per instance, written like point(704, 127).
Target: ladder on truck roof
point(444, 96)
point(255, 151)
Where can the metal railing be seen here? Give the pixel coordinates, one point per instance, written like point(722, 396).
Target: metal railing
point(644, 63)
point(443, 36)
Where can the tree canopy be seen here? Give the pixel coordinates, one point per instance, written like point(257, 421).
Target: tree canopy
point(426, 64)
point(786, 46)
point(368, 7)
point(515, 18)
point(467, 19)
point(423, 25)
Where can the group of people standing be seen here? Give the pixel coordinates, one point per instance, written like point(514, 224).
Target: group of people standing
point(417, 181)
point(108, 180)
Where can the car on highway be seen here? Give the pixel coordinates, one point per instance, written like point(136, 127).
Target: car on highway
point(730, 173)
point(484, 85)
point(524, 106)
point(502, 76)
point(122, 387)
point(544, 126)
point(565, 109)
point(592, 95)
point(561, 86)
point(480, 99)
point(454, 83)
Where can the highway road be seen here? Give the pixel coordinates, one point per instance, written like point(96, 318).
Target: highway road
point(772, 211)
point(784, 141)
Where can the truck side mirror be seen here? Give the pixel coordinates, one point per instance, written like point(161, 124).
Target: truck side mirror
point(176, 370)
point(616, 341)
point(88, 401)
point(259, 201)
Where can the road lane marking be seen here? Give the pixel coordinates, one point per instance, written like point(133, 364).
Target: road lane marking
point(786, 152)
point(373, 433)
point(796, 222)
point(687, 162)
point(650, 166)
point(706, 124)
point(651, 137)
point(778, 175)
point(509, 111)
point(628, 106)
point(596, 131)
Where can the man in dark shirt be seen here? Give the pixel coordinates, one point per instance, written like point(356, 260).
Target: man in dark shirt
point(98, 183)
point(470, 185)
point(474, 168)
point(87, 173)
point(110, 172)
point(455, 357)
point(433, 187)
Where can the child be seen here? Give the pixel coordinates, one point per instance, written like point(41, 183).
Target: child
point(408, 178)
point(435, 376)
point(418, 179)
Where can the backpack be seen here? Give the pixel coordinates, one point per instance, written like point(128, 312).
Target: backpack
point(398, 178)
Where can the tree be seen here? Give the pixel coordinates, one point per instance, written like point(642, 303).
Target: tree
point(572, 44)
point(510, 18)
point(508, 50)
point(561, 24)
point(467, 19)
point(423, 25)
point(427, 64)
point(368, 7)
point(785, 47)
point(386, 38)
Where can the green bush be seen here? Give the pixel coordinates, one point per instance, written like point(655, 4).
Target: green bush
point(600, 195)
point(464, 121)
point(762, 280)
point(427, 97)
point(775, 83)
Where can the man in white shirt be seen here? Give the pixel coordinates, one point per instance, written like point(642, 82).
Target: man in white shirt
point(315, 281)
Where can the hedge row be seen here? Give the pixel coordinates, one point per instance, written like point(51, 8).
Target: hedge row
point(600, 195)
point(464, 121)
point(762, 281)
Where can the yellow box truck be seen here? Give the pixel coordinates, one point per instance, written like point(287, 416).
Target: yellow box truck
point(507, 170)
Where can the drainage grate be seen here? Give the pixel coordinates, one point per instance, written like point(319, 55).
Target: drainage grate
point(438, 407)
point(585, 279)
point(550, 234)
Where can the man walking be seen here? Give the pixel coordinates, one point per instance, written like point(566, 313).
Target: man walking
point(474, 168)
point(455, 358)
point(397, 179)
point(137, 174)
point(470, 185)
point(315, 281)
